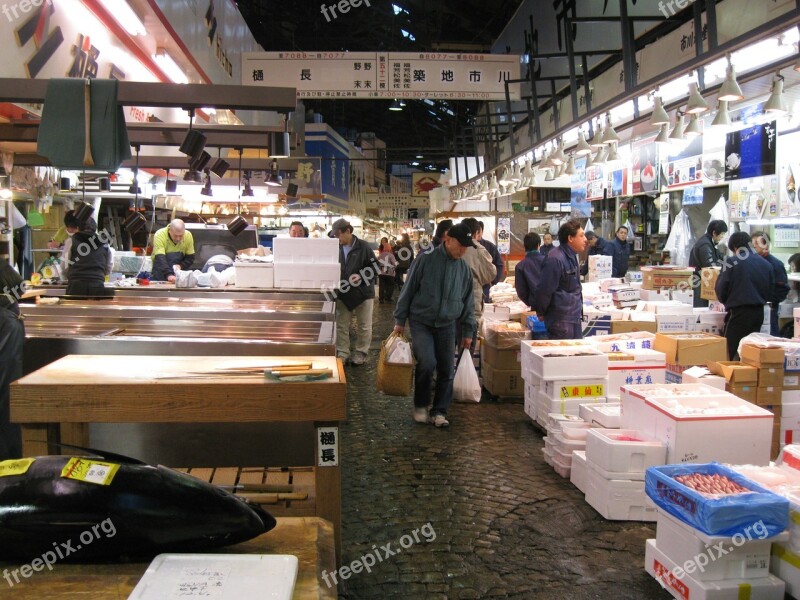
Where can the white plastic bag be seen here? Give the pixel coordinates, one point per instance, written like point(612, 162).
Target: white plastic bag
point(399, 352)
point(466, 386)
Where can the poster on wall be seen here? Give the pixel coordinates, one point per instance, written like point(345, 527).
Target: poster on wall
point(685, 166)
point(663, 213)
point(751, 152)
point(713, 156)
point(644, 165)
point(755, 198)
point(579, 204)
point(504, 235)
point(693, 195)
point(618, 182)
point(789, 172)
point(595, 182)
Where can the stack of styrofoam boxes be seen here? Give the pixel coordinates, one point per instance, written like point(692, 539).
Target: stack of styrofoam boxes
point(703, 375)
point(699, 423)
point(710, 321)
point(770, 373)
point(682, 558)
point(631, 360)
point(553, 424)
point(685, 350)
point(616, 460)
point(599, 267)
point(671, 316)
point(254, 274)
point(605, 416)
point(570, 438)
point(625, 296)
point(306, 263)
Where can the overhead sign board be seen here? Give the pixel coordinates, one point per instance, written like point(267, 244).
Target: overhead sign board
point(370, 75)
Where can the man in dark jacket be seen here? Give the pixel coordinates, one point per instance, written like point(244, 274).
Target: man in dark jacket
point(436, 297)
point(528, 272)
point(547, 244)
point(620, 251)
point(705, 254)
point(441, 230)
point(559, 298)
point(597, 247)
point(780, 289)
point(404, 254)
point(497, 260)
point(90, 260)
point(744, 287)
point(356, 293)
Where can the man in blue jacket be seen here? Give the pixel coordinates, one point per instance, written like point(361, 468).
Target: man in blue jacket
point(528, 272)
point(780, 288)
point(437, 295)
point(497, 260)
point(355, 296)
point(596, 245)
point(743, 287)
point(705, 254)
point(619, 250)
point(559, 298)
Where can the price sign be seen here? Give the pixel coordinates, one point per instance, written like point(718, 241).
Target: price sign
point(582, 391)
point(15, 467)
point(90, 471)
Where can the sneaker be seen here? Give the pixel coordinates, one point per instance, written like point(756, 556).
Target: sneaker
point(440, 421)
point(343, 357)
point(421, 415)
point(359, 358)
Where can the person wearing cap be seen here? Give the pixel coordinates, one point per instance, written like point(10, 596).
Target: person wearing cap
point(90, 260)
point(497, 260)
point(559, 298)
point(480, 263)
point(173, 247)
point(355, 296)
point(597, 247)
point(437, 300)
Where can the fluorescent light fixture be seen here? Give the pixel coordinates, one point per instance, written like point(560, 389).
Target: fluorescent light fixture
point(168, 65)
point(125, 16)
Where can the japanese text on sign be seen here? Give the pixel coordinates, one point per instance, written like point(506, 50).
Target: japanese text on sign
point(90, 471)
point(327, 446)
point(582, 391)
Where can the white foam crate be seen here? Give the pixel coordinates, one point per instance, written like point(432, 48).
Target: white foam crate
point(623, 342)
point(605, 415)
point(530, 407)
point(647, 367)
point(714, 425)
point(526, 354)
point(618, 499)
point(564, 406)
point(305, 251)
point(307, 276)
point(555, 419)
point(568, 445)
point(607, 451)
point(548, 456)
point(687, 587)
point(576, 430)
point(682, 542)
point(580, 470)
point(563, 456)
point(561, 467)
point(581, 362)
point(784, 565)
point(254, 275)
point(587, 389)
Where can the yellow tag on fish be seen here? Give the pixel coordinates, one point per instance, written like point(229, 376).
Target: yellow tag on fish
point(90, 471)
point(15, 467)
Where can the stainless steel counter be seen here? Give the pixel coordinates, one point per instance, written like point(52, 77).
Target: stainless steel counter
point(169, 289)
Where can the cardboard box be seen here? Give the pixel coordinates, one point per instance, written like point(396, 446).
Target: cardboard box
point(762, 357)
point(630, 326)
point(770, 377)
point(768, 396)
point(502, 383)
point(690, 349)
point(734, 372)
point(654, 278)
point(744, 391)
point(791, 381)
point(523, 317)
point(675, 323)
point(708, 281)
point(505, 360)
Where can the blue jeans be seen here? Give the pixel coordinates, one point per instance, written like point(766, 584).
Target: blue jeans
point(564, 330)
point(434, 349)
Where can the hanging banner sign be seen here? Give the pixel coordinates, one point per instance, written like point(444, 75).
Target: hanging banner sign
point(369, 75)
point(423, 183)
point(504, 235)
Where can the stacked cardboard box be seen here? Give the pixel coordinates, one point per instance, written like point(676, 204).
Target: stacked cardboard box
point(599, 267)
point(654, 278)
point(685, 350)
point(708, 283)
point(501, 371)
point(769, 365)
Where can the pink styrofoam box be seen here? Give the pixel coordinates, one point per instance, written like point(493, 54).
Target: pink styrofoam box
point(580, 470)
point(581, 362)
point(624, 450)
point(687, 587)
point(606, 415)
point(618, 499)
point(699, 423)
point(305, 251)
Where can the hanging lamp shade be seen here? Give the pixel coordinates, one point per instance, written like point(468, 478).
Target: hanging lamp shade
point(583, 148)
point(193, 143)
point(528, 176)
point(663, 135)
point(776, 103)
point(722, 118)
point(730, 89)
point(134, 222)
point(659, 116)
point(696, 104)
point(609, 135)
point(559, 158)
point(589, 161)
point(600, 157)
point(612, 153)
point(677, 132)
point(237, 225)
point(570, 170)
point(516, 174)
point(693, 129)
point(597, 140)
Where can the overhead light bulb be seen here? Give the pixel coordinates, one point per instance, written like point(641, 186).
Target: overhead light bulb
point(558, 157)
point(723, 118)
point(583, 148)
point(659, 116)
point(125, 16)
point(168, 65)
point(693, 129)
point(696, 104)
point(395, 106)
point(612, 154)
point(776, 103)
point(730, 89)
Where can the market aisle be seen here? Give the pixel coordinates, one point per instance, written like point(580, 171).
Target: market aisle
point(505, 524)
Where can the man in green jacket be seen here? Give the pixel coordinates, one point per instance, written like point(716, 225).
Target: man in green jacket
point(437, 294)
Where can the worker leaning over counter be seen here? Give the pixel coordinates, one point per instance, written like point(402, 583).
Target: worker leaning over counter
point(172, 246)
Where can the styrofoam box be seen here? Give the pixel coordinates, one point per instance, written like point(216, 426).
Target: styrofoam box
point(555, 419)
point(647, 367)
point(548, 455)
point(682, 542)
point(560, 467)
point(563, 455)
point(667, 307)
point(574, 388)
point(607, 451)
point(704, 376)
point(783, 566)
point(618, 499)
point(530, 407)
point(702, 424)
point(655, 295)
point(575, 430)
point(623, 342)
point(568, 445)
point(526, 356)
point(305, 276)
point(790, 397)
point(687, 587)
point(254, 275)
point(305, 251)
point(563, 406)
point(675, 323)
point(580, 471)
point(790, 410)
point(687, 297)
point(606, 415)
point(565, 363)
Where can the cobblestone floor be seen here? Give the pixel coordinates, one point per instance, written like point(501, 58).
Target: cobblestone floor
point(505, 524)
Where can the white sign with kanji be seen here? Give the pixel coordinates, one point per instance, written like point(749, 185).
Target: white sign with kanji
point(327, 446)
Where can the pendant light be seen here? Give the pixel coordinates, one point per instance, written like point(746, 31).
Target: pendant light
point(516, 174)
point(494, 187)
point(583, 148)
point(570, 170)
point(730, 89)
point(776, 104)
point(597, 140)
point(600, 157)
point(663, 135)
point(528, 176)
point(723, 118)
point(589, 161)
point(677, 132)
point(612, 154)
point(659, 116)
point(609, 135)
point(559, 158)
point(693, 129)
point(696, 104)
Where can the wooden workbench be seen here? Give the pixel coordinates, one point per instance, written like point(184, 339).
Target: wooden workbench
point(310, 539)
point(55, 404)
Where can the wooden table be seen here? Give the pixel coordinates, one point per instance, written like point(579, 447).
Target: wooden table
point(55, 404)
point(310, 539)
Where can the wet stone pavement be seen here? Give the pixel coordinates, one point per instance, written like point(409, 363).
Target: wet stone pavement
point(492, 520)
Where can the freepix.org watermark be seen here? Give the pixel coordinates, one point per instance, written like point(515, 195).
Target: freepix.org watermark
point(669, 8)
point(60, 551)
point(379, 554)
point(21, 8)
point(344, 6)
point(368, 273)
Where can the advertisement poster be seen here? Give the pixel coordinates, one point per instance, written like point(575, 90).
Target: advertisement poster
point(504, 235)
point(789, 172)
point(750, 152)
point(644, 172)
point(618, 182)
point(595, 182)
point(713, 156)
point(579, 204)
point(686, 166)
point(693, 195)
point(663, 214)
point(755, 198)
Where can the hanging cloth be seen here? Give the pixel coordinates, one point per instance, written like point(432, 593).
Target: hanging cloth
point(589, 227)
point(81, 110)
